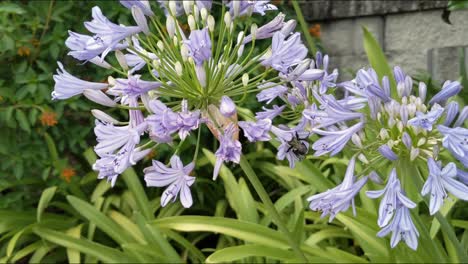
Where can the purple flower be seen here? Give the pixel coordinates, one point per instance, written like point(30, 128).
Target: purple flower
point(328, 81)
point(142, 4)
point(407, 140)
point(439, 182)
point(399, 74)
point(87, 48)
point(426, 121)
point(267, 30)
point(187, 121)
point(162, 123)
point(110, 33)
point(204, 4)
point(461, 117)
point(248, 7)
point(269, 91)
point(462, 176)
point(229, 149)
point(387, 152)
point(110, 166)
point(227, 107)
point(110, 137)
point(67, 85)
point(285, 52)
point(270, 113)
point(451, 112)
point(334, 141)
point(133, 86)
point(456, 141)
point(393, 197)
point(134, 60)
point(294, 145)
point(402, 228)
point(449, 89)
point(256, 131)
point(177, 177)
point(199, 45)
point(339, 198)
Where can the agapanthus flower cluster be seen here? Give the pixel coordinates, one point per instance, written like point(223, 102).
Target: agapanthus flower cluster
point(175, 79)
point(175, 74)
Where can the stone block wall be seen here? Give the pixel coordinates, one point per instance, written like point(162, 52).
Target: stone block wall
point(412, 34)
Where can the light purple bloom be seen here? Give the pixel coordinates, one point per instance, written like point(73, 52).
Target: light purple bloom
point(109, 32)
point(270, 113)
point(267, 30)
point(286, 51)
point(456, 141)
point(187, 120)
point(176, 176)
point(462, 176)
point(134, 60)
point(393, 197)
point(256, 131)
point(451, 112)
point(110, 166)
point(439, 182)
point(402, 228)
point(67, 85)
point(426, 121)
point(407, 140)
point(248, 7)
point(269, 94)
point(334, 141)
point(144, 5)
point(87, 48)
point(399, 74)
point(110, 137)
point(162, 123)
point(229, 149)
point(133, 86)
point(449, 89)
point(387, 152)
point(338, 199)
point(227, 107)
point(294, 145)
point(328, 81)
point(179, 7)
point(461, 117)
point(199, 45)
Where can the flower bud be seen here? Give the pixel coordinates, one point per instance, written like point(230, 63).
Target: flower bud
point(356, 140)
point(98, 114)
point(245, 79)
point(175, 40)
point(387, 152)
point(201, 75)
point(196, 13)
point(462, 117)
point(288, 27)
point(240, 51)
point(253, 30)
point(373, 176)
point(227, 107)
point(414, 153)
point(422, 91)
point(140, 19)
point(449, 89)
point(178, 68)
point(173, 7)
point(170, 26)
point(211, 23)
point(203, 14)
point(156, 64)
point(236, 8)
point(421, 142)
point(121, 60)
point(240, 37)
point(404, 114)
point(191, 23)
point(184, 52)
point(383, 134)
point(160, 45)
point(111, 81)
point(451, 112)
point(99, 97)
point(187, 6)
point(363, 158)
point(400, 126)
point(227, 18)
point(407, 140)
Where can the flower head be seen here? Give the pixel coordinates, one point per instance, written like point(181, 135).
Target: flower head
point(229, 149)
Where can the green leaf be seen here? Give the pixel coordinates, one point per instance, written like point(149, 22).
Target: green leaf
point(457, 5)
point(46, 197)
point(331, 232)
point(377, 59)
point(96, 217)
point(22, 120)
point(240, 252)
point(103, 253)
point(134, 185)
point(72, 254)
point(14, 240)
point(308, 169)
point(11, 8)
point(52, 150)
point(128, 225)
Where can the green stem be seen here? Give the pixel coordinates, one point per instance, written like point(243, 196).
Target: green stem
point(249, 172)
point(300, 19)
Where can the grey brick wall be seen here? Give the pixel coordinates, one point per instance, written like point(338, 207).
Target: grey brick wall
point(412, 34)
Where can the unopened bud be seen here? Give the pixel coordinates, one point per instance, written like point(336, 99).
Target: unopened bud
point(173, 7)
point(421, 142)
point(203, 14)
point(178, 68)
point(191, 23)
point(211, 23)
point(196, 13)
point(289, 27)
point(414, 153)
point(240, 37)
point(227, 18)
point(356, 140)
point(156, 64)
point(240, 51)
point(400, 126)
point(253, 30)
point(98, 114)
point(383, 134)
point(245, 79)
point(422, 91)
point(160, 45)
point(227, 107)
point(111, 81)
point(176, 41)
point(184, 52)
point(170, 26)
point(187, 6)
point(236, 7)
point(121, 60)
point(363, 158)
point(99, 97)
